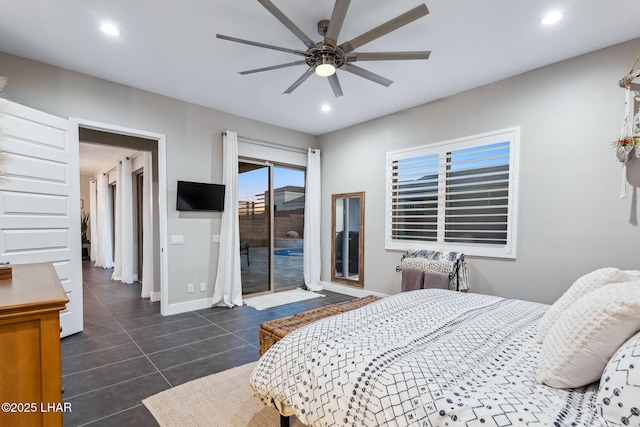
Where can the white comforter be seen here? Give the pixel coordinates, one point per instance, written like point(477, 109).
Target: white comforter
point(421, 358)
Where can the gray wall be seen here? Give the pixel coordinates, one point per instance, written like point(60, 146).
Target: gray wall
point(194, 148)
point(570, 217)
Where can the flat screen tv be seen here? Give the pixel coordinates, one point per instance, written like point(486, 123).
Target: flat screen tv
point(200, 196)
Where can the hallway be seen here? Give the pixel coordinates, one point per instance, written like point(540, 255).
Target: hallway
point(129, 351)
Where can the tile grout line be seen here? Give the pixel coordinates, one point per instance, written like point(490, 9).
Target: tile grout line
point(95, 351)
point(132, 340)
point(111, 385)
point(211, 355)
point(110, 415)
point(113, 308)
point(190, 343)
point(228, 331)
point(101, 366)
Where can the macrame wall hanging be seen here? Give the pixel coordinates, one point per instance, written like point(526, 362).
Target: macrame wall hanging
point(628, 144)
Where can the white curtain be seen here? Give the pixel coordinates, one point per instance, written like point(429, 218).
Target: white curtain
point(104, 250)
point(312, 215)
point(147, 226)
point(123, 270)
point(93, 220)
point(228, 287)
point(117, 251)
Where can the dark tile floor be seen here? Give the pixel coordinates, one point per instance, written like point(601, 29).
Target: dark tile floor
point(129, 351)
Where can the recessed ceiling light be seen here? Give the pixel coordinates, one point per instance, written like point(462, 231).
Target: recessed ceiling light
point(110, 29)
point(551, 18)
point(325, 108)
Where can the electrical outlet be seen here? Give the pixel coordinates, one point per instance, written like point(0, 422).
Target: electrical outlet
point(203, 287)
point(190, 288)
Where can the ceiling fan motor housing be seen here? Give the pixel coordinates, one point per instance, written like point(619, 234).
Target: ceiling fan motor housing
point(325, 55)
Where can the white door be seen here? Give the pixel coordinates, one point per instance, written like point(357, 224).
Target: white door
point(40, 199)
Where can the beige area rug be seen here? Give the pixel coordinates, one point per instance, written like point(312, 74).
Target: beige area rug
point(280, 298)
point(224, 399)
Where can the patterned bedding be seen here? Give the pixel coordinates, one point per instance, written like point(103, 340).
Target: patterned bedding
point(424, 358)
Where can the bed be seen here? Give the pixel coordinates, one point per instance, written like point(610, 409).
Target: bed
point(423, 358)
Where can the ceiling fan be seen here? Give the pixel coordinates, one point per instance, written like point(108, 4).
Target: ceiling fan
point(326, 56)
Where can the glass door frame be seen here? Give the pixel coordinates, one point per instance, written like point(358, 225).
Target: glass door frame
point(271, 165)
point(303, 169)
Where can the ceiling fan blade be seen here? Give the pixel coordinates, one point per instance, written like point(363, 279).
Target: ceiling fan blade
point(387, 56)
point(335, 85)
point(301, 80)
point(386, 28)
point(258, 44)
point(287, 22)
point(273, 67)
point(366, 74)
point(335, 24)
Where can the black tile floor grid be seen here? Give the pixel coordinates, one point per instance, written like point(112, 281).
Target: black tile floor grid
point(129, 351)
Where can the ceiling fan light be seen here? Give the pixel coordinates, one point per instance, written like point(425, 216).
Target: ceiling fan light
point(325, 67)
point(325, 70)
point(551, 18)
point(110, 29)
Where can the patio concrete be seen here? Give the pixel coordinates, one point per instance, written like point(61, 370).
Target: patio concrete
point(288, 270)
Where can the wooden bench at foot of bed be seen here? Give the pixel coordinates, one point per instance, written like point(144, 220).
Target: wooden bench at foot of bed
point(274, 330)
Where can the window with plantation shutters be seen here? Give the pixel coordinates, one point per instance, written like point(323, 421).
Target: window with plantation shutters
point(456, 195)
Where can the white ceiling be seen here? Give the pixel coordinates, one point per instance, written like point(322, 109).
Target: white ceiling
point(96, 158)
point(170, 47)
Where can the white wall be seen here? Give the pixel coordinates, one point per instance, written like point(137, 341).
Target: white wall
point(570, 218)
point(194, 148)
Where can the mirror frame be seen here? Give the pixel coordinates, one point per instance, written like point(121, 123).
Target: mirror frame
point(360, 281)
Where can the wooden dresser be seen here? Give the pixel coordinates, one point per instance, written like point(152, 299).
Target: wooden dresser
point(30, 370)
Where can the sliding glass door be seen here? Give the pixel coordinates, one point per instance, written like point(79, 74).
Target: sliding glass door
point(254, 215)
point(288, 221)
point(271, 228)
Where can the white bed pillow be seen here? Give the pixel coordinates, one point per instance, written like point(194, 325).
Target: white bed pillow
point(618, 398)
point(585, 284)
point(579, 345)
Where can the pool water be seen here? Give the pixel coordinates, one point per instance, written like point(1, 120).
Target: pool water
point(287, 252)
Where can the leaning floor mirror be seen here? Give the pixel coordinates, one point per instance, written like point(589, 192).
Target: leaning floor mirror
point(347, 238)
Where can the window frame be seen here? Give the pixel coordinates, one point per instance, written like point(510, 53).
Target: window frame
point(443, 149)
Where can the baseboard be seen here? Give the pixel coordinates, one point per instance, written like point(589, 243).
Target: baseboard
point(183, 307)
point(349, 290)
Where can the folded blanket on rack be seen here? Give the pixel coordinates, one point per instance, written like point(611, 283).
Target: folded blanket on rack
point(434, 280)
point(452, 263)
point(412, 279)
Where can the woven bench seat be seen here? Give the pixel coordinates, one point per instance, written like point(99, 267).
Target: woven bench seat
point(273, 330)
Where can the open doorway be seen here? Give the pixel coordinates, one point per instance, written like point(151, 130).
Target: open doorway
point(118, 139)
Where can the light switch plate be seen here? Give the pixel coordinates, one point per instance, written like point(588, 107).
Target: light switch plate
point(177, 240)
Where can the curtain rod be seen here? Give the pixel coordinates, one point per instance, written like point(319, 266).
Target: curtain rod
point(271, 145)
point(120, 161)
